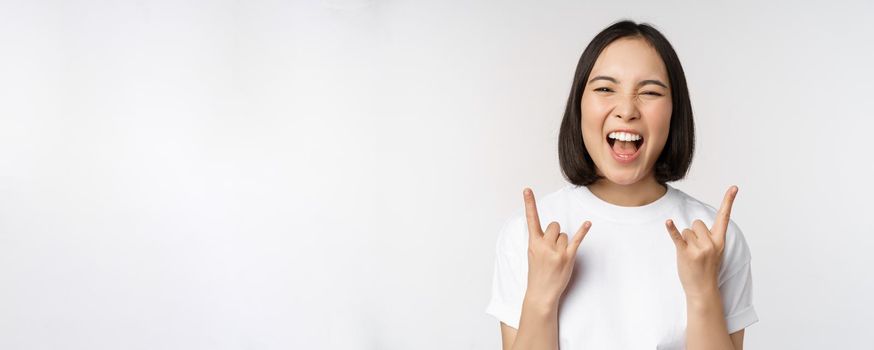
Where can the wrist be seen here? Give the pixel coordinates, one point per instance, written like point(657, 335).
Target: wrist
point(704, 299)
point(540, 304)
point(702, 291)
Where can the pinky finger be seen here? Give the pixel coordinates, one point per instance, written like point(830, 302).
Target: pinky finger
point(578, 237)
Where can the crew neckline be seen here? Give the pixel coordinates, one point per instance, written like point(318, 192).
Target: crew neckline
point(646, 212)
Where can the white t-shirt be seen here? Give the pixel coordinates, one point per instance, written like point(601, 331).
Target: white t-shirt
point(625, 292)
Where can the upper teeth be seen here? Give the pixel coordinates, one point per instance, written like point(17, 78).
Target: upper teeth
point(624, 136)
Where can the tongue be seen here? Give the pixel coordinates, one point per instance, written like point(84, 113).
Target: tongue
point(624, 147)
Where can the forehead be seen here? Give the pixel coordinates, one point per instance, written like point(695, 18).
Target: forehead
point(630, 59)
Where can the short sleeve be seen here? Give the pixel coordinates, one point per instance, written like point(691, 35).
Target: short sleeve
point(736, 283)
point(510, 278)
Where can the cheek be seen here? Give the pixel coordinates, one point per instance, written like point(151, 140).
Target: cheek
point(592, 111)
point(657, 109)
point(659, 120)
point(593, 104)
point(591, 124)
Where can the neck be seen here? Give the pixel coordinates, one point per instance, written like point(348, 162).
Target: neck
point(637, 194)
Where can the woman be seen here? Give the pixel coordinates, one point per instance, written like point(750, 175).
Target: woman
point(627, 131)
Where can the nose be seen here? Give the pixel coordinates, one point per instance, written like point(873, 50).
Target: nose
point(626, 108)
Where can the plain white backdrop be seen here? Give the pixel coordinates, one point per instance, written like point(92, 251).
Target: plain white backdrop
point(333, 174)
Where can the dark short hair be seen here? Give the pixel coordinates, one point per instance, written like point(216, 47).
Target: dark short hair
point(674, 161)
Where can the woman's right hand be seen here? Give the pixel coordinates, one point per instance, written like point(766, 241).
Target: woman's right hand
point(550, 256)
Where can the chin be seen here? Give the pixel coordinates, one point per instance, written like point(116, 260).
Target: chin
point(619, 177)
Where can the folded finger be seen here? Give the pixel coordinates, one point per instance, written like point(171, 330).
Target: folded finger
point(552, 231)
point(705, 238)
point(691, 237)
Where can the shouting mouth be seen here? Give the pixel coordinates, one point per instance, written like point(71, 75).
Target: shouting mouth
point(624, 145)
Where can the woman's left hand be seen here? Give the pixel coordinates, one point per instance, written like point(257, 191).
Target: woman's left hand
point(699, 250)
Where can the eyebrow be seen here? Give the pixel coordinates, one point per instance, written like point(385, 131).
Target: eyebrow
point(641, 83)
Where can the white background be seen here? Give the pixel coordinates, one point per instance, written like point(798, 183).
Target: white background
point(333, 174)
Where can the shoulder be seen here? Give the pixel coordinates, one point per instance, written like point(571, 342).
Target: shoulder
point(554, 202)
point(694, 208)
point(550, 206)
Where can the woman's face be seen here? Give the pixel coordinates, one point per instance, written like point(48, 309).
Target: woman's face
point(626, 110)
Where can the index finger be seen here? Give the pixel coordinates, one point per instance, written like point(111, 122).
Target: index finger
point(724, 213)
point(531, 213)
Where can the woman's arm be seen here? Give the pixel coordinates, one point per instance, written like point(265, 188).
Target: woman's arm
point(699, 256)
point(551, 257)
point(538, 327)
point(705, 326)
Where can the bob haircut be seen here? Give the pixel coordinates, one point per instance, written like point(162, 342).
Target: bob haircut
point(674, 161)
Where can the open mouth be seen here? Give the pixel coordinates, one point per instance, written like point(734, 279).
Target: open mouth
point(624, 143)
